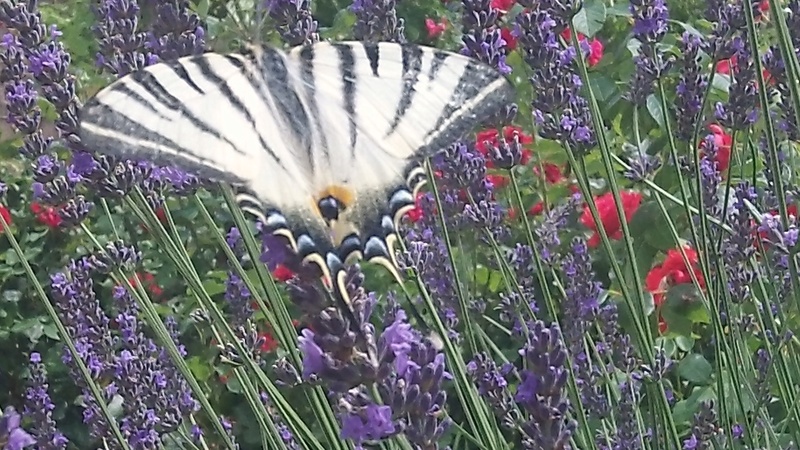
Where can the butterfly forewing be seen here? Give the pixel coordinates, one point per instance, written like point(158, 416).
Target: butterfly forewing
point(345, 120)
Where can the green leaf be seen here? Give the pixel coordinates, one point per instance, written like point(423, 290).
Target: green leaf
point(654, 108)
point(590, 18)
point(685, 343)
point(696, 369)
point(682, 308)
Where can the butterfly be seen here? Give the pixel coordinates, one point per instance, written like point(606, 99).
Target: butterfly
point(324, 142)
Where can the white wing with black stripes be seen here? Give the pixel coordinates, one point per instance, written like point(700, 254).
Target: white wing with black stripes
point(324, 141)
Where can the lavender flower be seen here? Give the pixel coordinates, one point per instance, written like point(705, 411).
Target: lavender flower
point(705, 430)
point(541, 394)
point(649, 27)
point(38, 52)
point(740, 111)
point(739, 247)
point(376, 20)
point(12, 436)
point(176, 31)
point(492, 385)
point(285, 433)
point(547, 231)
point(691, 85)
point(650, 20)
point(341, 350)
point(122, 44)
point(39, 408)
point(580, 305)
point(642, 166)
point(294, 21)
point(559, 110)
point(482, 39)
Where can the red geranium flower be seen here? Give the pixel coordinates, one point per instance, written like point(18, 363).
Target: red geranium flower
point(723, 142)
point(536, 209)
point(435, 29)
point(270, 343)
point(672, 272)
point(596, 47)
point(503, 5)
point(148, 281)
point(727, 66)
point(6, 216)
point(46, 215)
point(609, 218)
point(553, 173)
point(511, 41)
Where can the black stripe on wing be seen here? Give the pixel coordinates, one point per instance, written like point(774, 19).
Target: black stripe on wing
point(347, 64)
point(309, 82)
point(481, 92)
point(160, 94)
point(280, 87)
point(412, 64)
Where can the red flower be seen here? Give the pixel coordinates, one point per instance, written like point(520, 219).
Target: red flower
point(486, 140)
point(727, 66)
point(723, 141)
point(503, 5)
point(269, 344)
point(161, 215)
point(498, 181)
point(416, 214)
point(282, 273)
point(6, 216)
point(536, 209)
point(595, 53)
point(553, 173)
point(511, 41)
point(511, 213)
point(435, 29)
point(672, 272)
point(596, 47)
point(149, 282)
point(46, 215)
point(607, 211)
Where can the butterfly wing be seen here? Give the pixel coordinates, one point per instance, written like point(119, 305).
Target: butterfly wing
point(208, 114)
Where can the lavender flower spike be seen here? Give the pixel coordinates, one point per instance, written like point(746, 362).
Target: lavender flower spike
point(11, 435)
point(40, 408)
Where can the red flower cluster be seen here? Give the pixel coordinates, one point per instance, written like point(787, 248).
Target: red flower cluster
point(672, 272)
point(607, 212)
point(149, 282)
point(486, 140)
point(46, 215)
point(596, 47)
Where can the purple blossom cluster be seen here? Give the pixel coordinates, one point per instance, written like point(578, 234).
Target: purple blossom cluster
point(650, 25)
point(376, 20)
point(482, 38)
point(35, 65)
point(128, 366)
point(346, 354)
point(560, 111)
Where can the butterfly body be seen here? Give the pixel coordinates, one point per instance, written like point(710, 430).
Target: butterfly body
point(323, 142)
